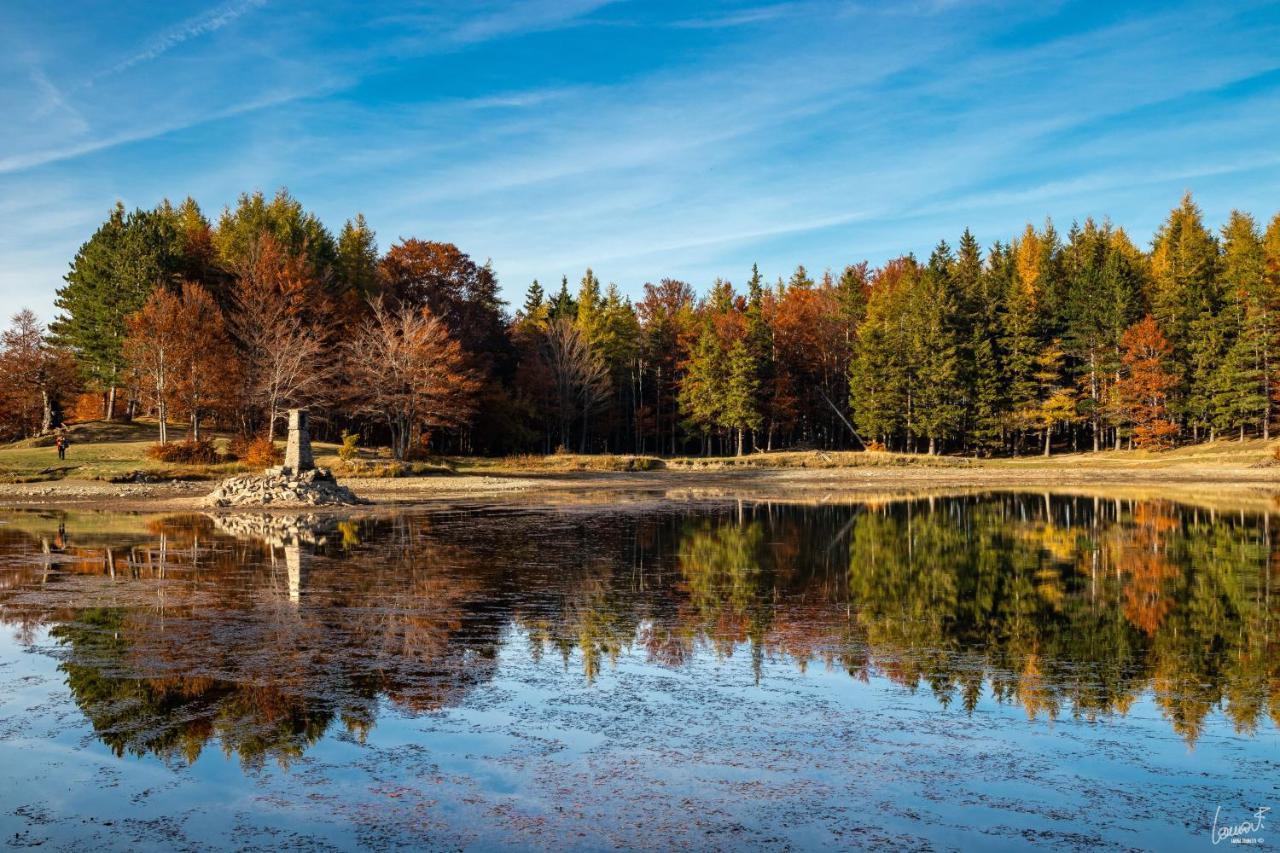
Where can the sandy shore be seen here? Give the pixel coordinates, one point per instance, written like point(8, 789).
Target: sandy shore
point(1193, 482)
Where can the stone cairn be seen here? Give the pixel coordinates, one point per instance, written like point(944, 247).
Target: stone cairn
point(296, 483)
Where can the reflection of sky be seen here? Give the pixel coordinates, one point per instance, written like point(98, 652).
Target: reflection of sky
point(644, 751)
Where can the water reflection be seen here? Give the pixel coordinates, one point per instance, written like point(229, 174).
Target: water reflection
point(261, 634)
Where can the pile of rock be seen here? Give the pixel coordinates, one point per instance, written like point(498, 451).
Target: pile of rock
point(316, 487)
point(296, 483)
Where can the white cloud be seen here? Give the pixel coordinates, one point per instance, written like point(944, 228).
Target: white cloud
point(209, 22)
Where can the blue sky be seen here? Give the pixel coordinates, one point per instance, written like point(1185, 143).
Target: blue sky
point(645, 139)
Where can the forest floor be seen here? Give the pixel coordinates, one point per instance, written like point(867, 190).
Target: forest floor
point(107, 468)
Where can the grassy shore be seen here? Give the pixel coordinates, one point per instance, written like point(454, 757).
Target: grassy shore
point(112, 451)
point(107, 465)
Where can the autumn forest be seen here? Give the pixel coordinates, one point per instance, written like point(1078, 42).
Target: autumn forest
point(1048, 342)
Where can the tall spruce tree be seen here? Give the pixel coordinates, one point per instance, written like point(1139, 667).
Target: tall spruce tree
point(740, 408)
point(702, 391)
point(940, 389)
point(356, 261)
point(1185, 299)
point(1018, 325)
point(759, 340)
point(535, 302)
point(111, 277)
point(564, 305)
point(1242, 383)
point(590, 304)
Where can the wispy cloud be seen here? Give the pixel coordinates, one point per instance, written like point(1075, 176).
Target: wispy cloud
point(450, 27)
point(44, 156)
point(199, 25)
point(525, 17)
point(54, 100)
point(742, 17)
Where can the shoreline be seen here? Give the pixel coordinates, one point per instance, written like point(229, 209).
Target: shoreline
point(1189, 482)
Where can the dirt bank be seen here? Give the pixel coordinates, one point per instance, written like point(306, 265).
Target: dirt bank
point(1198, 480)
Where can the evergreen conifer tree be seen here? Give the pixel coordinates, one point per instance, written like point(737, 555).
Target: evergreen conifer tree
point(740, 408)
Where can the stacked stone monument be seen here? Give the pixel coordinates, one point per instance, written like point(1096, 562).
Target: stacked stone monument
point(296, 483)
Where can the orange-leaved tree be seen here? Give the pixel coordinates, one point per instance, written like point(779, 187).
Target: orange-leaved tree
point(1143, 392)
point(405, 369)
point(179, 353)
point(154, 348)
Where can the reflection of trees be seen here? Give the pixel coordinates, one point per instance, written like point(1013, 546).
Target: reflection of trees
point(175, 632)
point(174, 716)
point(1073, 603)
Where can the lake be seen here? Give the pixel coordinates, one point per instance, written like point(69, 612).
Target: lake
point(990, 671)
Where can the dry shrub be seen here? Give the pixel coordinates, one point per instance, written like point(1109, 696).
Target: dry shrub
point(87, 407)
point(262, 453)
point(874, 446)
point(237, 447)
point(382, 469)
point(189, 452)
point(350, 443)
point(419, 451)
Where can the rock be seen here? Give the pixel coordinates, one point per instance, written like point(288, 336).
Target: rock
point(316, 487)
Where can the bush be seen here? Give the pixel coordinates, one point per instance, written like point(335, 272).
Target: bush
point(237, 447)
point(190, 452)
point(347, 451)
point(262, 453)
point(382, 469)
point(87, 407)
point(874, 446)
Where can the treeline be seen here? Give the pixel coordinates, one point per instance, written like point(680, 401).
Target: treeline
point(1078, 341)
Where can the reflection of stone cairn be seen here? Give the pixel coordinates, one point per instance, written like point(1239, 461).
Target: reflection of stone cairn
point(276, 530)
point(296, 535)
point(298, 482)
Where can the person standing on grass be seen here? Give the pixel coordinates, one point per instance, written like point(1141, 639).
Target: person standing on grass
point(61, 444)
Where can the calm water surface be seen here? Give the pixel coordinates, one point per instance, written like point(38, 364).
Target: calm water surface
point(994, 672)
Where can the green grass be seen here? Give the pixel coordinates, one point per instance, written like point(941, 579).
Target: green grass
point(100, 451)
point(113, 451)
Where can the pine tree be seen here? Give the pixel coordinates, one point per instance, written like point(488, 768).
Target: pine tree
point(1055, 402)
point(882, 372)
point(564, 305)
point(702, 389)
point(1207, 343)
point(1101, 300)
point(1270, 310)
point(979, 327)
point(535, 301)
point(1018, 325)
point(619, 344)
point(1185, 300)
point(1238, 399)
point(297, 232)
point(1248, 317)
point(759, 339)
point(356, 264)
point(940, 390)
point(799, 279)
point(740, 408)
point(535, 306)
point(1123, 301)
point(112, 276)
point(590, 304)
